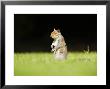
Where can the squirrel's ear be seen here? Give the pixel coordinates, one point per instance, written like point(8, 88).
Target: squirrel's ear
point(54, 29)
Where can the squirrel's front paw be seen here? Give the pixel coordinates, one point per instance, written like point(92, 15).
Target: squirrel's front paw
point(52, 50)
point(52, 46)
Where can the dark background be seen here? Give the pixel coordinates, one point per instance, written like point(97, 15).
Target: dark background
point(32, 31)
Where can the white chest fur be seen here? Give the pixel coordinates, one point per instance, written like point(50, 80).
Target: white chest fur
point(57, 54)
point(55, 43)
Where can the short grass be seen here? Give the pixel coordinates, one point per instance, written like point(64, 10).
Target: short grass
point(43, 64)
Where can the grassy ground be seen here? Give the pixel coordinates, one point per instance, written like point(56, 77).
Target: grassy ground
point(43, 64)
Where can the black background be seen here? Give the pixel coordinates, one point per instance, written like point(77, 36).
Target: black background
point(32, 31)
